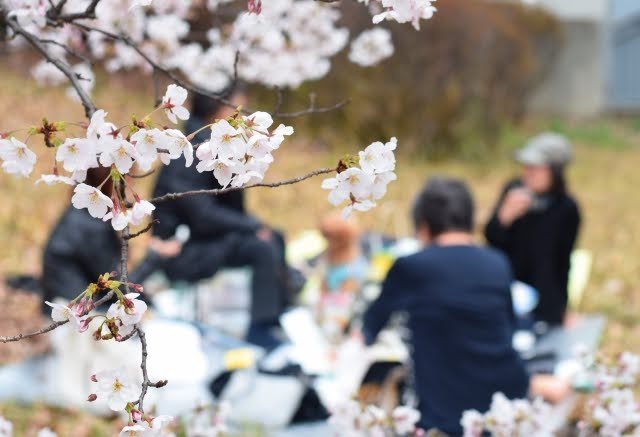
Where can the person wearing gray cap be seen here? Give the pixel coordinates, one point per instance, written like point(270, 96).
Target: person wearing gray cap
point(536, 223)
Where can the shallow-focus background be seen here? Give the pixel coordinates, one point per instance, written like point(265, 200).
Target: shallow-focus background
point(460, 96)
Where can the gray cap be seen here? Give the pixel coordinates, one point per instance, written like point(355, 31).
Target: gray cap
point(545, 149)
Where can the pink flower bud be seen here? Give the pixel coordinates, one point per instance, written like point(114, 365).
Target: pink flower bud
point(84, 324)
point(254, 6)
point(92, 397)
point(128, 303)
point(90, 305)
point(94, 378)
point(80, 308)
point(136, 415)
point(118, 337)
point(137, 287)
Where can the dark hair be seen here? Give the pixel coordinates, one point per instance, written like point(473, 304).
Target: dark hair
point(203, 106)
point(558, 181)
point(444, 204)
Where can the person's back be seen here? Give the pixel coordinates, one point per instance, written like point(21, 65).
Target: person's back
point(457, 297)
point(460, 316)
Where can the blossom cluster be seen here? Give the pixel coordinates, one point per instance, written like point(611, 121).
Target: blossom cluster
point(239, 150)
point(614, 410)
point(352, 419)
point(209, 421)
point(119, 389)
point(361, 186)
point(371, 47)
point(404, 11)
point(516, 418)
point(279, 43)
point(6, 430)
point(121, 317)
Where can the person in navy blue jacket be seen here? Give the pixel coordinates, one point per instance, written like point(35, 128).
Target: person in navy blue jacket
point(457, 296)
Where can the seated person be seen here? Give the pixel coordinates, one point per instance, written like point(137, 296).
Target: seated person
point(222, 233)
point(81, 248)
point(343, 269)
point(457, 296)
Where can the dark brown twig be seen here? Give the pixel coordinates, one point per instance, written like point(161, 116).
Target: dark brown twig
point(52, 326)
point(89, 107)
point(218, 191)
point(142, 231)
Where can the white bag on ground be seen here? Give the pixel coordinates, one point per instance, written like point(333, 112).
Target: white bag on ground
point(269, 400)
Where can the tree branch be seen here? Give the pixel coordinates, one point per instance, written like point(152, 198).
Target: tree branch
point(89, 107)
point(143, 231)
point(218, 191)
point(196, 89)
point(52, 326)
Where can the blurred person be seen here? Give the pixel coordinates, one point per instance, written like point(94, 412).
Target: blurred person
point(222, 232)
point(458, 300)
point(81, 248)
point(536, 223)
point(343, 269)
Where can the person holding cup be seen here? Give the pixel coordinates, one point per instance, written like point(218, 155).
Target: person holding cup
point(536, 223)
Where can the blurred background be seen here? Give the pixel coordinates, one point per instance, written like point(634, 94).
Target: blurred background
point(460, 96)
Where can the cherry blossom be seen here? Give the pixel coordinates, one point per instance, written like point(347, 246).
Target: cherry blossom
point(116, 387)
point(351, 419)
point(63, 313)
point(362, 186)
point(138, 430)
point(119, 219)
point(137, 3)
point(18, 158)
point(77, 154)
point(371, 47)
point(52, 179)
point(140, 211)
point(406, 11)
point(172, 103)
point(146, 144)
point(209, 422)
point(46, 432)
point(177, 145)
point(509, 417)
point(379, 157)
point(129, 311)
point(405, 419)
point(240, 154)
point(159, 424)
point(86, 196)
point(6, 427)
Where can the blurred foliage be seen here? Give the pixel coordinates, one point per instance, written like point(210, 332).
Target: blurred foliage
point(447, 91)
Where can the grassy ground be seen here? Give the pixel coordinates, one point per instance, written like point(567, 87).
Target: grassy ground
point(604, 180)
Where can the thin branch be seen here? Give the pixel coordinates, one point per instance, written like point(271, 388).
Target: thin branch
point(196, 89)
point(143, 231)
point(313, 110)
point(89, 12)
point(89, 107)
point(218, 191)
point(54, 325)
point(143, 367)
point(67, 49)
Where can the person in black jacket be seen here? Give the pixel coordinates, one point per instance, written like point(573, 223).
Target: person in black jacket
point(222, 233)
point(81, 248)
point(536, 223)
point(460, 314)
